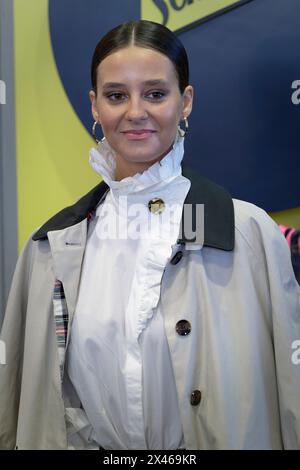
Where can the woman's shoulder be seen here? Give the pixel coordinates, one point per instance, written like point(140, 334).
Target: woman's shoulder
point(72, 215)
point(257, 227)
point(246, 212)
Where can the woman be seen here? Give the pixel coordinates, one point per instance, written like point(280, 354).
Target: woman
point(126, 328)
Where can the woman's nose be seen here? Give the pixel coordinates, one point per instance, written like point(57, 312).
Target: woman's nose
point(136, 110)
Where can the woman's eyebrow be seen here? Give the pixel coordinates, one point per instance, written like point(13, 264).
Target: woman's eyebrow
point(158, 81)
point(147, 83)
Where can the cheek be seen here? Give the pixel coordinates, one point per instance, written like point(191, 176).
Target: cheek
point(169, 116)
point(168, 125)
point(108, 117)
point(107, 124)
point(107, 114)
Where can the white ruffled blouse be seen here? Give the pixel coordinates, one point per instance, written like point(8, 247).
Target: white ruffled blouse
point(118, 358)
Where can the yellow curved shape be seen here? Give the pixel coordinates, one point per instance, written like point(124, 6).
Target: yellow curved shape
point(52, 144)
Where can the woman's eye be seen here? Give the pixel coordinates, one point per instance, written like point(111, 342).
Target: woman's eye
point(156, 95)
point(115, 96)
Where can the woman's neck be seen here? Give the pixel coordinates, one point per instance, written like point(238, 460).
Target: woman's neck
point(124, 168)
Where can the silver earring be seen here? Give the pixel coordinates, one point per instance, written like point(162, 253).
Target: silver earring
point(94, 132)
point(183, 132)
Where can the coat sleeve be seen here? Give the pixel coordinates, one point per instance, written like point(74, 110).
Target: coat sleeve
point(284, 301)
point(12, 345)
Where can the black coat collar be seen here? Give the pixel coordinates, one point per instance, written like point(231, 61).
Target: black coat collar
point(218, 211)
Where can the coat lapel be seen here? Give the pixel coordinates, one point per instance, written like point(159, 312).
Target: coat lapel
point(67, 247)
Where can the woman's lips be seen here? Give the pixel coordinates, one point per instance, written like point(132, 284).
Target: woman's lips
point(138, 134)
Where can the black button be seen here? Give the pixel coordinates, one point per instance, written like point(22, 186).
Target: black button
point(177, 257)
point(183, 327)
point(195, 397)
point(156, 205)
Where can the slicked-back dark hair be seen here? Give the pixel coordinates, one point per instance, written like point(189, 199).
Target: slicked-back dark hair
point(146, 34)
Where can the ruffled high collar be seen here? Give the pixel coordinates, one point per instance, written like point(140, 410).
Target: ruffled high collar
point(103, 161)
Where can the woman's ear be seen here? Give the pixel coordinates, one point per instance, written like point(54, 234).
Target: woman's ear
point(92, 96)
point(188, 96)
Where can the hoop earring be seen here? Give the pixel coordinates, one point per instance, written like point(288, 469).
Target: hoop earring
point(184, 131)
point(94, 132)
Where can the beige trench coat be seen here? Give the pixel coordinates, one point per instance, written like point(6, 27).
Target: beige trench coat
point(239, 294)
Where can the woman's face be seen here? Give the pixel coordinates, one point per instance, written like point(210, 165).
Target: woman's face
point(139, 106)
